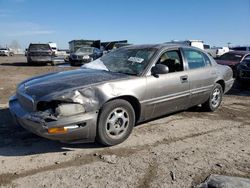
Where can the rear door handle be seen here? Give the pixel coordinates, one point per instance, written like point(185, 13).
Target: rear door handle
point(184, 79)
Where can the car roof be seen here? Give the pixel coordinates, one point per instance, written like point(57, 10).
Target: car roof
point(39, 44)
point(239, 52)
point(157, 46)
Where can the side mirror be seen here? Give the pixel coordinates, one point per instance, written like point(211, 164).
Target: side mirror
point(159, 69)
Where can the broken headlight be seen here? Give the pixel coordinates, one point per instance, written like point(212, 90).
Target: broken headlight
point(69, 109)
point(58, 108)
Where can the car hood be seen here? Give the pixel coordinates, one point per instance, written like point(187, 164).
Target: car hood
point(55, 83)
point(225, 62)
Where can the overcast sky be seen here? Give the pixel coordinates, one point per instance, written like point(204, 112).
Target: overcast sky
point(140, 21)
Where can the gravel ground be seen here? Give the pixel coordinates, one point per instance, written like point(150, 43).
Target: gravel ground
point(178, 150)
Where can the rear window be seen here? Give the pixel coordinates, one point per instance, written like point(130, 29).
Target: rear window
point(39, 47)
point(231, 57)
point(240, 48)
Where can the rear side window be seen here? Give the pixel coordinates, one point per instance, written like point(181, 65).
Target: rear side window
point(196, 59)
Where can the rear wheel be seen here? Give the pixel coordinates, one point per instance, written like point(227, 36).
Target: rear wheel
point(215, 99)
point(52, 63)
point(29, 62)
point(115, 123)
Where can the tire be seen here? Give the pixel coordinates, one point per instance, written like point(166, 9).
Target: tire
point(30, 62)
point(52, 63)
point(214, 100)
point(115, 123)
point(71, 62)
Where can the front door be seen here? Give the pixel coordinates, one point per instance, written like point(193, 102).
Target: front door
point(169, 92)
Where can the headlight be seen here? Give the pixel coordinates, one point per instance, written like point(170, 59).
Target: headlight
point(69, 109)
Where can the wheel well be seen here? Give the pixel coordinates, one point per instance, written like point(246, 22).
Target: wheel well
point(134, 102)
point(222, 83)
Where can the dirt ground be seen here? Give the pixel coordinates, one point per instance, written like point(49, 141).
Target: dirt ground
point(179, 150)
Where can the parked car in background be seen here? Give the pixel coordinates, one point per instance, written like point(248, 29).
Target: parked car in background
point(6, 52)
point(105, 98)
point(241, 48)
point(243, 71)
point(84, 55)
point(216, 52)
point(40, 53)
point(232, 59)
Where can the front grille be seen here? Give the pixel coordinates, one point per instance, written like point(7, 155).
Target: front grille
point(39, 54)
point(25, 101)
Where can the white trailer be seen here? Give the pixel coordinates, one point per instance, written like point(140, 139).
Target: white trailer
point(53, 46)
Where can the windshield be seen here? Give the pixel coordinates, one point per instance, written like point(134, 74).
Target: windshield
point(84, 50)
point(124, 60)
point(231, 57)
point(39, 47)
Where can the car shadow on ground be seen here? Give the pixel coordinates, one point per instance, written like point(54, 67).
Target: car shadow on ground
point(16, 141)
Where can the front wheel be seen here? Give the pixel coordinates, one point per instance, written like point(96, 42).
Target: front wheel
point(115, 122)
point(215, 99)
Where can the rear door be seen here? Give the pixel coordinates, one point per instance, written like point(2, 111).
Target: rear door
point(201, 75)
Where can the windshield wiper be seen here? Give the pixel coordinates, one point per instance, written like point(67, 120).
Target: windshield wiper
point(133, 74)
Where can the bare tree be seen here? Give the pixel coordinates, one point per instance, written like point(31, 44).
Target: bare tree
point(15, 45)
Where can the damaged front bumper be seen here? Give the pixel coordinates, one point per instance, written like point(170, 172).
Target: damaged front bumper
point(79, 128)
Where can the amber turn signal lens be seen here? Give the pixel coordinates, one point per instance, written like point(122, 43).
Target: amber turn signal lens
point(57, 130)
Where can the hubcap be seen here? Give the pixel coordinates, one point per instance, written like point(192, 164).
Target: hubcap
point(117, 123)
point(215, 101)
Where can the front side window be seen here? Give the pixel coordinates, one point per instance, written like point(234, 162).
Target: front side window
point(172, 59)
point(195, 59)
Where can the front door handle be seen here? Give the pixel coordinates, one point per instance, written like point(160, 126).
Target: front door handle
point(184, 79)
